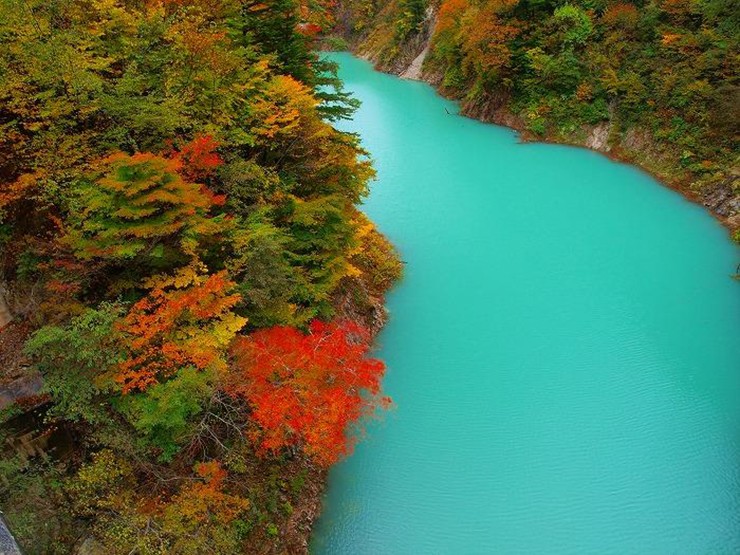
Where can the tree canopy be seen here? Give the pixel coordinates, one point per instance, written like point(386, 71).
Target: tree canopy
point(175, 205)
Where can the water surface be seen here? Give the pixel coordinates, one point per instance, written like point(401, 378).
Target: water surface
point(563, 352)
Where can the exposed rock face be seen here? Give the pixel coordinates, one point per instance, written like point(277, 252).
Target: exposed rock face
point(724, 199)
point(414, 70)
point(18, 381)
point(20, 389)
point(408, 57)
point(8, 546)
point(598, 138)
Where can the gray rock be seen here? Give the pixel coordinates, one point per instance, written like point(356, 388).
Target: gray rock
point(723, 198)
point(8, 545)
point(598, 138)
point(21, 388)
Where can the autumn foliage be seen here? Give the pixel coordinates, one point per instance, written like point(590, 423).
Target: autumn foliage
point(169, 174)
point(140, 202)
point(198, 158)
point(450, 12)
point(622, 15)
point(185, 321)
point(204, 501)
point(484, 46)
point(307, 389)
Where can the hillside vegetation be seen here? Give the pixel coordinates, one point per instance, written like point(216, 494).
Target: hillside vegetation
point(183, 258)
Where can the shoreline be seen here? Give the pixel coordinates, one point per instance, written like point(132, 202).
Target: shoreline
point(356, 300)
point(717, 200)
point(677, 185)
point(296, 529)
point(301, 523)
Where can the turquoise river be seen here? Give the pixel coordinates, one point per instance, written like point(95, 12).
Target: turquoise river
point(563, 352)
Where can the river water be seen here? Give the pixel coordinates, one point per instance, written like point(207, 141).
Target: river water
point(563, 352)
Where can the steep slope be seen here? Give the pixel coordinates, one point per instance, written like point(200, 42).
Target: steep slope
point(654, 83)
point(187, 272)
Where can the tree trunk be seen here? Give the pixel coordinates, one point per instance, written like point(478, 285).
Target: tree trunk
point(5, 314)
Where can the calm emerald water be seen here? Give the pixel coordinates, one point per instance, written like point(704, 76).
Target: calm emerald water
point(564, 351)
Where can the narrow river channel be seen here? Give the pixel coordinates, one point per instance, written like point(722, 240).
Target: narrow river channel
point(564, 350)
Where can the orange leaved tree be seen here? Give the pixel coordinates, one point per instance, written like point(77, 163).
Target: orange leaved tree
point(308, 389)
point(185, 321)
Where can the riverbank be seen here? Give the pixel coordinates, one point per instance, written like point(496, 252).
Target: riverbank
point(360, 299)
point(292, 488)
point(414, 58)
point(356, 301)
point(636, 148)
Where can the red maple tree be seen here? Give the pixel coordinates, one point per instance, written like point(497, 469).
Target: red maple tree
point(198, 158)
point(308, 389)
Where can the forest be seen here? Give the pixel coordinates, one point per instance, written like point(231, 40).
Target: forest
point(651, 82)
point(186, 269)
point(189, 291)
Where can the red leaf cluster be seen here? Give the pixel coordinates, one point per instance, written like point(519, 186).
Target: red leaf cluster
point(308, 389)
point(199, 158)
point(308, 29)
